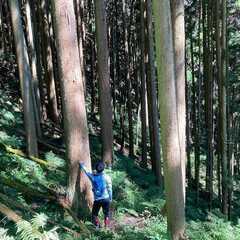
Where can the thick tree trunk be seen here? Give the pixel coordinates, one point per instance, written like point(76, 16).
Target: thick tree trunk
point(25, 78)
point(173, 171)
point(104, 82)
point(178, 26)
point(75, 120)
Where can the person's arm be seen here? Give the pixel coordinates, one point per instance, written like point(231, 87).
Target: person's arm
point(90, 175)
point(109, 187)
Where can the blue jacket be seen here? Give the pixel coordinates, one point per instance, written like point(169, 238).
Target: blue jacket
point(107, 193)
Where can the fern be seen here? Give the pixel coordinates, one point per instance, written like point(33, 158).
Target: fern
point(34, 230)
point(4, 236)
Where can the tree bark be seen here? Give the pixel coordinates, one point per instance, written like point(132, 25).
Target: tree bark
point(74, 112)
point(52, 106)
point(25, 78)
point(128, 53)
point(178, 26)
point(173, 171)
point(35, 82)
point(152, 98)
point(223, 112)
point(143, 85)
point(104, 82)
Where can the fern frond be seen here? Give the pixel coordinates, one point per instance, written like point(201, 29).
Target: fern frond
point(4, 236)
point(39, 221)
point(34, 230)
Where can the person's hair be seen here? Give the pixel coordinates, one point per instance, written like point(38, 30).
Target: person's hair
point(100, 167)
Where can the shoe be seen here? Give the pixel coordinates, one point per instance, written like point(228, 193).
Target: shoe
point(107, 222)
point(96, 222)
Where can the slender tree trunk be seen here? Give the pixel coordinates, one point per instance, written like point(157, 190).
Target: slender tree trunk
point(199, 97)
point(8, 40)
point(152, 98)
point(35, 85)
point(209, 103)
point(218, 64)
point(230, 158)
point(143, 86)
point(75, 119)
point(52, 109)
point(188, 129)
point(104, 82)
point(80, 33)
point(173, 171)
point(122, 124)
point(40, 61)
point(223, 112)
point(25, 78)
point(92, 60)
point(127, 76)
point(1, 31)
point(194, 118)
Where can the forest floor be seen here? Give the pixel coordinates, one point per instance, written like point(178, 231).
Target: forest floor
point(137, 205)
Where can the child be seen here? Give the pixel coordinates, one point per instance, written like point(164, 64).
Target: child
point(102, 190)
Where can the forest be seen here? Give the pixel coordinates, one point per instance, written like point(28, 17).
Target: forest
point(141, 94)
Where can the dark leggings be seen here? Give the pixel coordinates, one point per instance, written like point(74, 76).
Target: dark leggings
point(105, 204)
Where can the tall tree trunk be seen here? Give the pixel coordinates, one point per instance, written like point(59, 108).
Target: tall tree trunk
point(173, 172)
point(177, 9)
point(8, 41)
point(80, 34)
point(25, 78)
point(188, 128)
point(52, 109)
point(35, 85)
point(104, 82)
point(209, 102)
point(38, 26)
point(223, 112)
point(198, 115)
point(127, 75)
point(152, 98)
point(218, 64)
point(143, 85)
point(1, 31)
point(75, 119)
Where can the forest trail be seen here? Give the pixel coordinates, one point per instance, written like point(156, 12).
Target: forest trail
point(127, 220)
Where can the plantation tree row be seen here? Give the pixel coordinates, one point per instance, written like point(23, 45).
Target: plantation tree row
point(212, 129)
point(127, 67)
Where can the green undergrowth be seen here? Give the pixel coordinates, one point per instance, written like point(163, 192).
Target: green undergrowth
point(134, 192)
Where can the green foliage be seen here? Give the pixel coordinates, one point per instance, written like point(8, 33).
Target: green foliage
point(154, 229)
point(4, 236)
point(54, 159)
point(134, 189)
point(36, 229)
point(213, 229)
point(10, 139)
